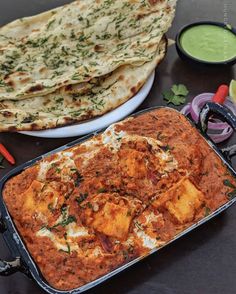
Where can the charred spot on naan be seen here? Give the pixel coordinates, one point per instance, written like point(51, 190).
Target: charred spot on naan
point(153, 2)
point(7, 114)
point(25, 80)
point(99, 48)
point(35, 88)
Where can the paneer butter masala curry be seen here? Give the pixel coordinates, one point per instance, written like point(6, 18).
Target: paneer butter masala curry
point(87, 210)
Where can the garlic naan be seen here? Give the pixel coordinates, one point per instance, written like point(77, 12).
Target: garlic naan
point(78, 102)
point(77, 42)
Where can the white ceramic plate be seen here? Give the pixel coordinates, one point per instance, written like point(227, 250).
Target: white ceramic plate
point(100, 122)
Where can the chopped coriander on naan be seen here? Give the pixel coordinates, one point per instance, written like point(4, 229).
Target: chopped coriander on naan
point(64, 65)
point(78, 102)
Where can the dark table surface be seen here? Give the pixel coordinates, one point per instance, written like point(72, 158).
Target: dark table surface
point(204, 261)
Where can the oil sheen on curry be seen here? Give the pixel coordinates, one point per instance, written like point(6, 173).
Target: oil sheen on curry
point(89, 209)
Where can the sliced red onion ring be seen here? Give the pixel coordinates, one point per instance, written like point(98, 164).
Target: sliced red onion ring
point(224, 135)
point(194, 108)
point(186, 109)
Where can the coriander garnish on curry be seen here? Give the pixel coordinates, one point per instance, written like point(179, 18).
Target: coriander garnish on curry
point(116, 196)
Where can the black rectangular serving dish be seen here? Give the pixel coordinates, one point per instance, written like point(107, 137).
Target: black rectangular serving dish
point(23, 261)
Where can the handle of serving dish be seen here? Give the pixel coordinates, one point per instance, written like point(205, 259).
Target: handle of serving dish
point(9, 267)
point(223, 113)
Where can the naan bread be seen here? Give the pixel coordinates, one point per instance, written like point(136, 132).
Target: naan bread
point(78, 42)
point(78, 102)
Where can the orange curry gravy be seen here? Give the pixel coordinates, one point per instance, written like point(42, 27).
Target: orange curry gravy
point(89, 209)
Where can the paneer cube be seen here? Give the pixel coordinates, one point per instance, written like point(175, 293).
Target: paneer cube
point(182, 200)
point(112, 220)
point(31, 195)
point(38, 197)
point(133, 163)
point(186, 200)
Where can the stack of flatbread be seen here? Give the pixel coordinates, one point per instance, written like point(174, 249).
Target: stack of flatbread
point(78, 61)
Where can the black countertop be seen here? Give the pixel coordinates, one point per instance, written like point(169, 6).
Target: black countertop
point(204, 261)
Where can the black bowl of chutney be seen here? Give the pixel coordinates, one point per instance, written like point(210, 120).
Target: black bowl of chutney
point(207, 43)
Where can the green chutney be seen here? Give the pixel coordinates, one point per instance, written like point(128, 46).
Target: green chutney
point(210, 43)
